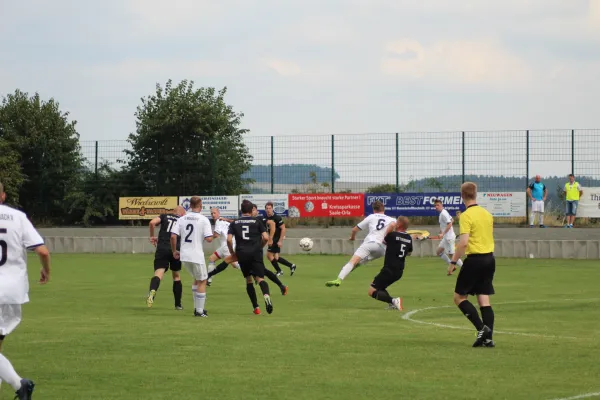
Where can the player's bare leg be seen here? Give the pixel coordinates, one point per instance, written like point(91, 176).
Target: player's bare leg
point(354, 262)
point(177, 289)
point(154, 284)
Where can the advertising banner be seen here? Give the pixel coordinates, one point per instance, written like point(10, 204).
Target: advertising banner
point(145, 207)
point(589, 204)
point(503, 204)
point(414, 204)
point(280, 202)
point(228, 205)
point(326, 205)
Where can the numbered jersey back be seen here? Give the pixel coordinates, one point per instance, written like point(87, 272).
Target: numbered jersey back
point(164, 235)
point(192, 229)
point(17, 234)
point(399, 246)
point(247, 232)
point(377, 225)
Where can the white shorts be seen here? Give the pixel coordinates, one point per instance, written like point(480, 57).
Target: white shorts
point(448, 245)
point(537, 206)
point(370, 251)
point(198, 271)
point(222, 252)
point(10, 318)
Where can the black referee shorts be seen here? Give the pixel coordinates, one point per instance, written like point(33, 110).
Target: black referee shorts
point(476, 276)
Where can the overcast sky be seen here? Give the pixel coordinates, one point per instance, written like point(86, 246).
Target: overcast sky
point(314, 67)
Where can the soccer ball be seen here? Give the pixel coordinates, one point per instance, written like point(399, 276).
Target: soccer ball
point(306, 244)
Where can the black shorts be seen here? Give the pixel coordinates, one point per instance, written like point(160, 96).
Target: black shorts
point(252, 264)
point(476, 276)
point(163, 259)
point(274, 249)
point(386, 277)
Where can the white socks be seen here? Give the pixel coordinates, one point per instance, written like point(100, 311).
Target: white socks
point(235, 265)
point(541, 219)
point(199, 300)
point(8, 373)
point(345, 271)
point(532, 217)
point(445, 257)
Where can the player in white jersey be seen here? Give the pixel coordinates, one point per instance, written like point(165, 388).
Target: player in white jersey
point(17, 235)
point(372, 247)
point(447, 244)
point(193, 228)
point(222, 253)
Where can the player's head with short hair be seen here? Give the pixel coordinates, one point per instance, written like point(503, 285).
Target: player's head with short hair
point(2, 194)
point(402, 223)
point(439, 206)
point(179, 211)
point(468, 191)
point(196, 203)
point(269, 208)
point(378, 206)
point(538, 178)
point(254, 210)
point(247, 207)
point(572, 177)
point(215, 213)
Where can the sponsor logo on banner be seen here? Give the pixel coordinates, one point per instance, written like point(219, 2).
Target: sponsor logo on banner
point(145, 207)
point(414, 204)
point(280, 202)
point(589, 203)
point(503, 204)
point(228, 205)
point(326, 205)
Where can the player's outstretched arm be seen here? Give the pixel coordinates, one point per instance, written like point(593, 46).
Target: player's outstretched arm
point(271, 225)
point(461, 248)
point(174, 245)
point(44, 255)
point(282, 235)
point(355, 230)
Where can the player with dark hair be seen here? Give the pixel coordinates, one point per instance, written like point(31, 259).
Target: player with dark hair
point(398, 247)
point(250, 238)
point(163, 257)
point(276, 228)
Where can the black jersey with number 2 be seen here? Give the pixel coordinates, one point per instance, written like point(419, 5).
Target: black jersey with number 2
point(164, 235)
point(247, 232)
point(398, 246)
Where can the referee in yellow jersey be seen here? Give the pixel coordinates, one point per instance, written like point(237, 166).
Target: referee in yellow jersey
point(477, 273)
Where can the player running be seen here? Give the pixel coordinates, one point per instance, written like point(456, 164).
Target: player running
point(163, 257)
point(250, 237)
point(372, 247)
point(192, 230)
point(276, 229)
point(222, 253)
point(446, 248)
point(17, 234)
point(398, 247)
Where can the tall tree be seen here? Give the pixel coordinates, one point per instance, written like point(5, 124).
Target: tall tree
point(188, 141)
point(11, 175)
point(48, 151)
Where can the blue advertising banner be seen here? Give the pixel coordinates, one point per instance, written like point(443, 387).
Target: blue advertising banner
point(280, 202)
point(414, 204)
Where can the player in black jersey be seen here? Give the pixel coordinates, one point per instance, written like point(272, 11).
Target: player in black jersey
point(163, 257)
point(276, 229)
point(250, 238)
point(399, 246)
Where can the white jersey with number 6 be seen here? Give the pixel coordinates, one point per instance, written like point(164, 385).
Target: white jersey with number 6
point(17, 234)
point(376, 224)
point(192, 228)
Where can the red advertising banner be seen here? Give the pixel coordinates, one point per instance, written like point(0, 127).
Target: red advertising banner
point(326, 205)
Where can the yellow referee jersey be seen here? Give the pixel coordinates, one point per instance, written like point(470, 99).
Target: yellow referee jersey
point(479, 224)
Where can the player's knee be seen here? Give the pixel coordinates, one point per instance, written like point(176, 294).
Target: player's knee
point(372, 292)
point(249, 280)
point(459, 298)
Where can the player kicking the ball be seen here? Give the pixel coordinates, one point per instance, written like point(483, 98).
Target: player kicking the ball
point(446, 247)
point(222, 253)
point(399, 246)
point(372, 247)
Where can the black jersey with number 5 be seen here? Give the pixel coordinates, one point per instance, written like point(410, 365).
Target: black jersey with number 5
point(399, 245)
point(247, 232)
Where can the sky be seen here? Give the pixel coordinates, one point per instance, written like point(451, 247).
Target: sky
point(308, 67)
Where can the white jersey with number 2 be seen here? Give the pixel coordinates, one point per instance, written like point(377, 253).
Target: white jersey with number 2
point(17, 234)
point(192, 228)
point(377, 225)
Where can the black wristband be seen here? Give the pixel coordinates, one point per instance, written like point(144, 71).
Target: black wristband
point(453, 262)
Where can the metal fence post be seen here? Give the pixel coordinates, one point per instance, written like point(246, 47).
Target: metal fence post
point(213, 168)
point(397, 164)
point(272, 164)
point(573, 151)
point(463, 157)
point(96, 161)
point(526, 172)
point(332, 163)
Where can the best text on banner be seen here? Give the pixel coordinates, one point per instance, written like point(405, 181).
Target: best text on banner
point(145, 207)
point(589, 204)
point(326, 205)
point(414, 204)
point(280, 202)
point(228, 205)
point(503, 204)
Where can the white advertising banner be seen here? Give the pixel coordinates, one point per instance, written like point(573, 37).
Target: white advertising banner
point(503, 204)
point(589, 204)
point(280, 202)
point(229, 205)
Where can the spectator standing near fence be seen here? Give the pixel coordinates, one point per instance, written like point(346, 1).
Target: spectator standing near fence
point(573, 192)
point(538, 193)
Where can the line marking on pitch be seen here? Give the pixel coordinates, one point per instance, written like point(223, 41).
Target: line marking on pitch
point(581, 396)
point(408, 317)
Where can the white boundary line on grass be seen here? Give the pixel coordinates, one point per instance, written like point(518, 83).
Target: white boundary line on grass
point(408, 317)
point(581, 396)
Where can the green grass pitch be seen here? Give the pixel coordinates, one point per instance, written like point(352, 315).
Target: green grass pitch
point(89, 335)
